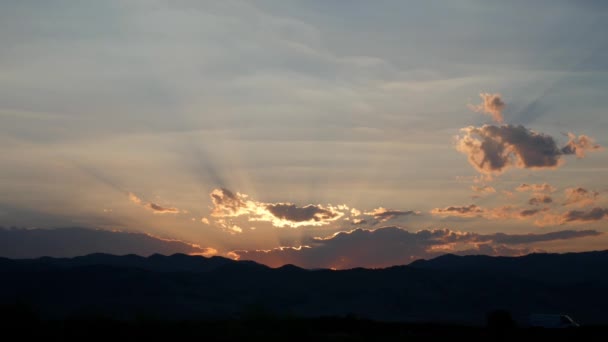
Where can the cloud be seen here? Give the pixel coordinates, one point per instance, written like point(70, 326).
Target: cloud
point(205, 221)
point(573, 216)
point(544, 187)
point(491, 104)
point(580, 197)
point(594, 214)
point(531, 212)
point(383, 214)
point(492, 149)
point(70, 242)
point(227, 204)
point(580, 145)
point(539, 199)
point(310, 213)
point(155, 208)
point(485, 189)
point(389, 246)
point(498, 213)
point(461, 211)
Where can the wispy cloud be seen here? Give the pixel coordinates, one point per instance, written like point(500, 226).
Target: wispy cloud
point(382, 214)
point(154, 207)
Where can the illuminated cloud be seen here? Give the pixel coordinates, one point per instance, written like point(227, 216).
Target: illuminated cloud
point(389, 246)
point(358, 221)
point(355, 212)
point(227, 204)
point(155, 208)
point(535, 187)
point(579, 145)
point(491, 104)
point(540, 199)
point(580, 197)
point(492, 149)
point(383, 214)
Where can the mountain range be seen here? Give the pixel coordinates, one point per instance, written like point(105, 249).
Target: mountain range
point(449, 288)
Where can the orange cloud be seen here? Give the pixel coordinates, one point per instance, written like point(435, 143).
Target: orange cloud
point(580, 197)
point(580, 145)
point(491, 104)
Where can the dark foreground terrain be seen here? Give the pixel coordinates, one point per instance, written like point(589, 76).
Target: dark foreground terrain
point(284, 329)
point(196, 296)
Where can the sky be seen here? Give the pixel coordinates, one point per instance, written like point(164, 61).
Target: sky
point(328, 134)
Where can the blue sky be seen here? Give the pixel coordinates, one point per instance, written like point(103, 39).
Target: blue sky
point(324, 103)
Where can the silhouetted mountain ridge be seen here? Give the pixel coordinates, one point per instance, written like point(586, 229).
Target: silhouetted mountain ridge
point(448, 288)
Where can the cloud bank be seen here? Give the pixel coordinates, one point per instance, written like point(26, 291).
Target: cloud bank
point(389, 246)
point(70, 242)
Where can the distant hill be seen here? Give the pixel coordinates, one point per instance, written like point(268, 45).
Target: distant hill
point(446, 289)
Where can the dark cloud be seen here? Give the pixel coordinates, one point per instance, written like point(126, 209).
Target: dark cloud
point(462, 211)
point(491, 104)
point(290, 212)
point(580, 196)
point(394, 246)
point(530, 212)
point(69, 242)
point(492, 149)
point(540, 199)
point(594, 214)
point(383, 214)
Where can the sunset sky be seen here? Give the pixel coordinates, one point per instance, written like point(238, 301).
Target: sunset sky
point(319, 133)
